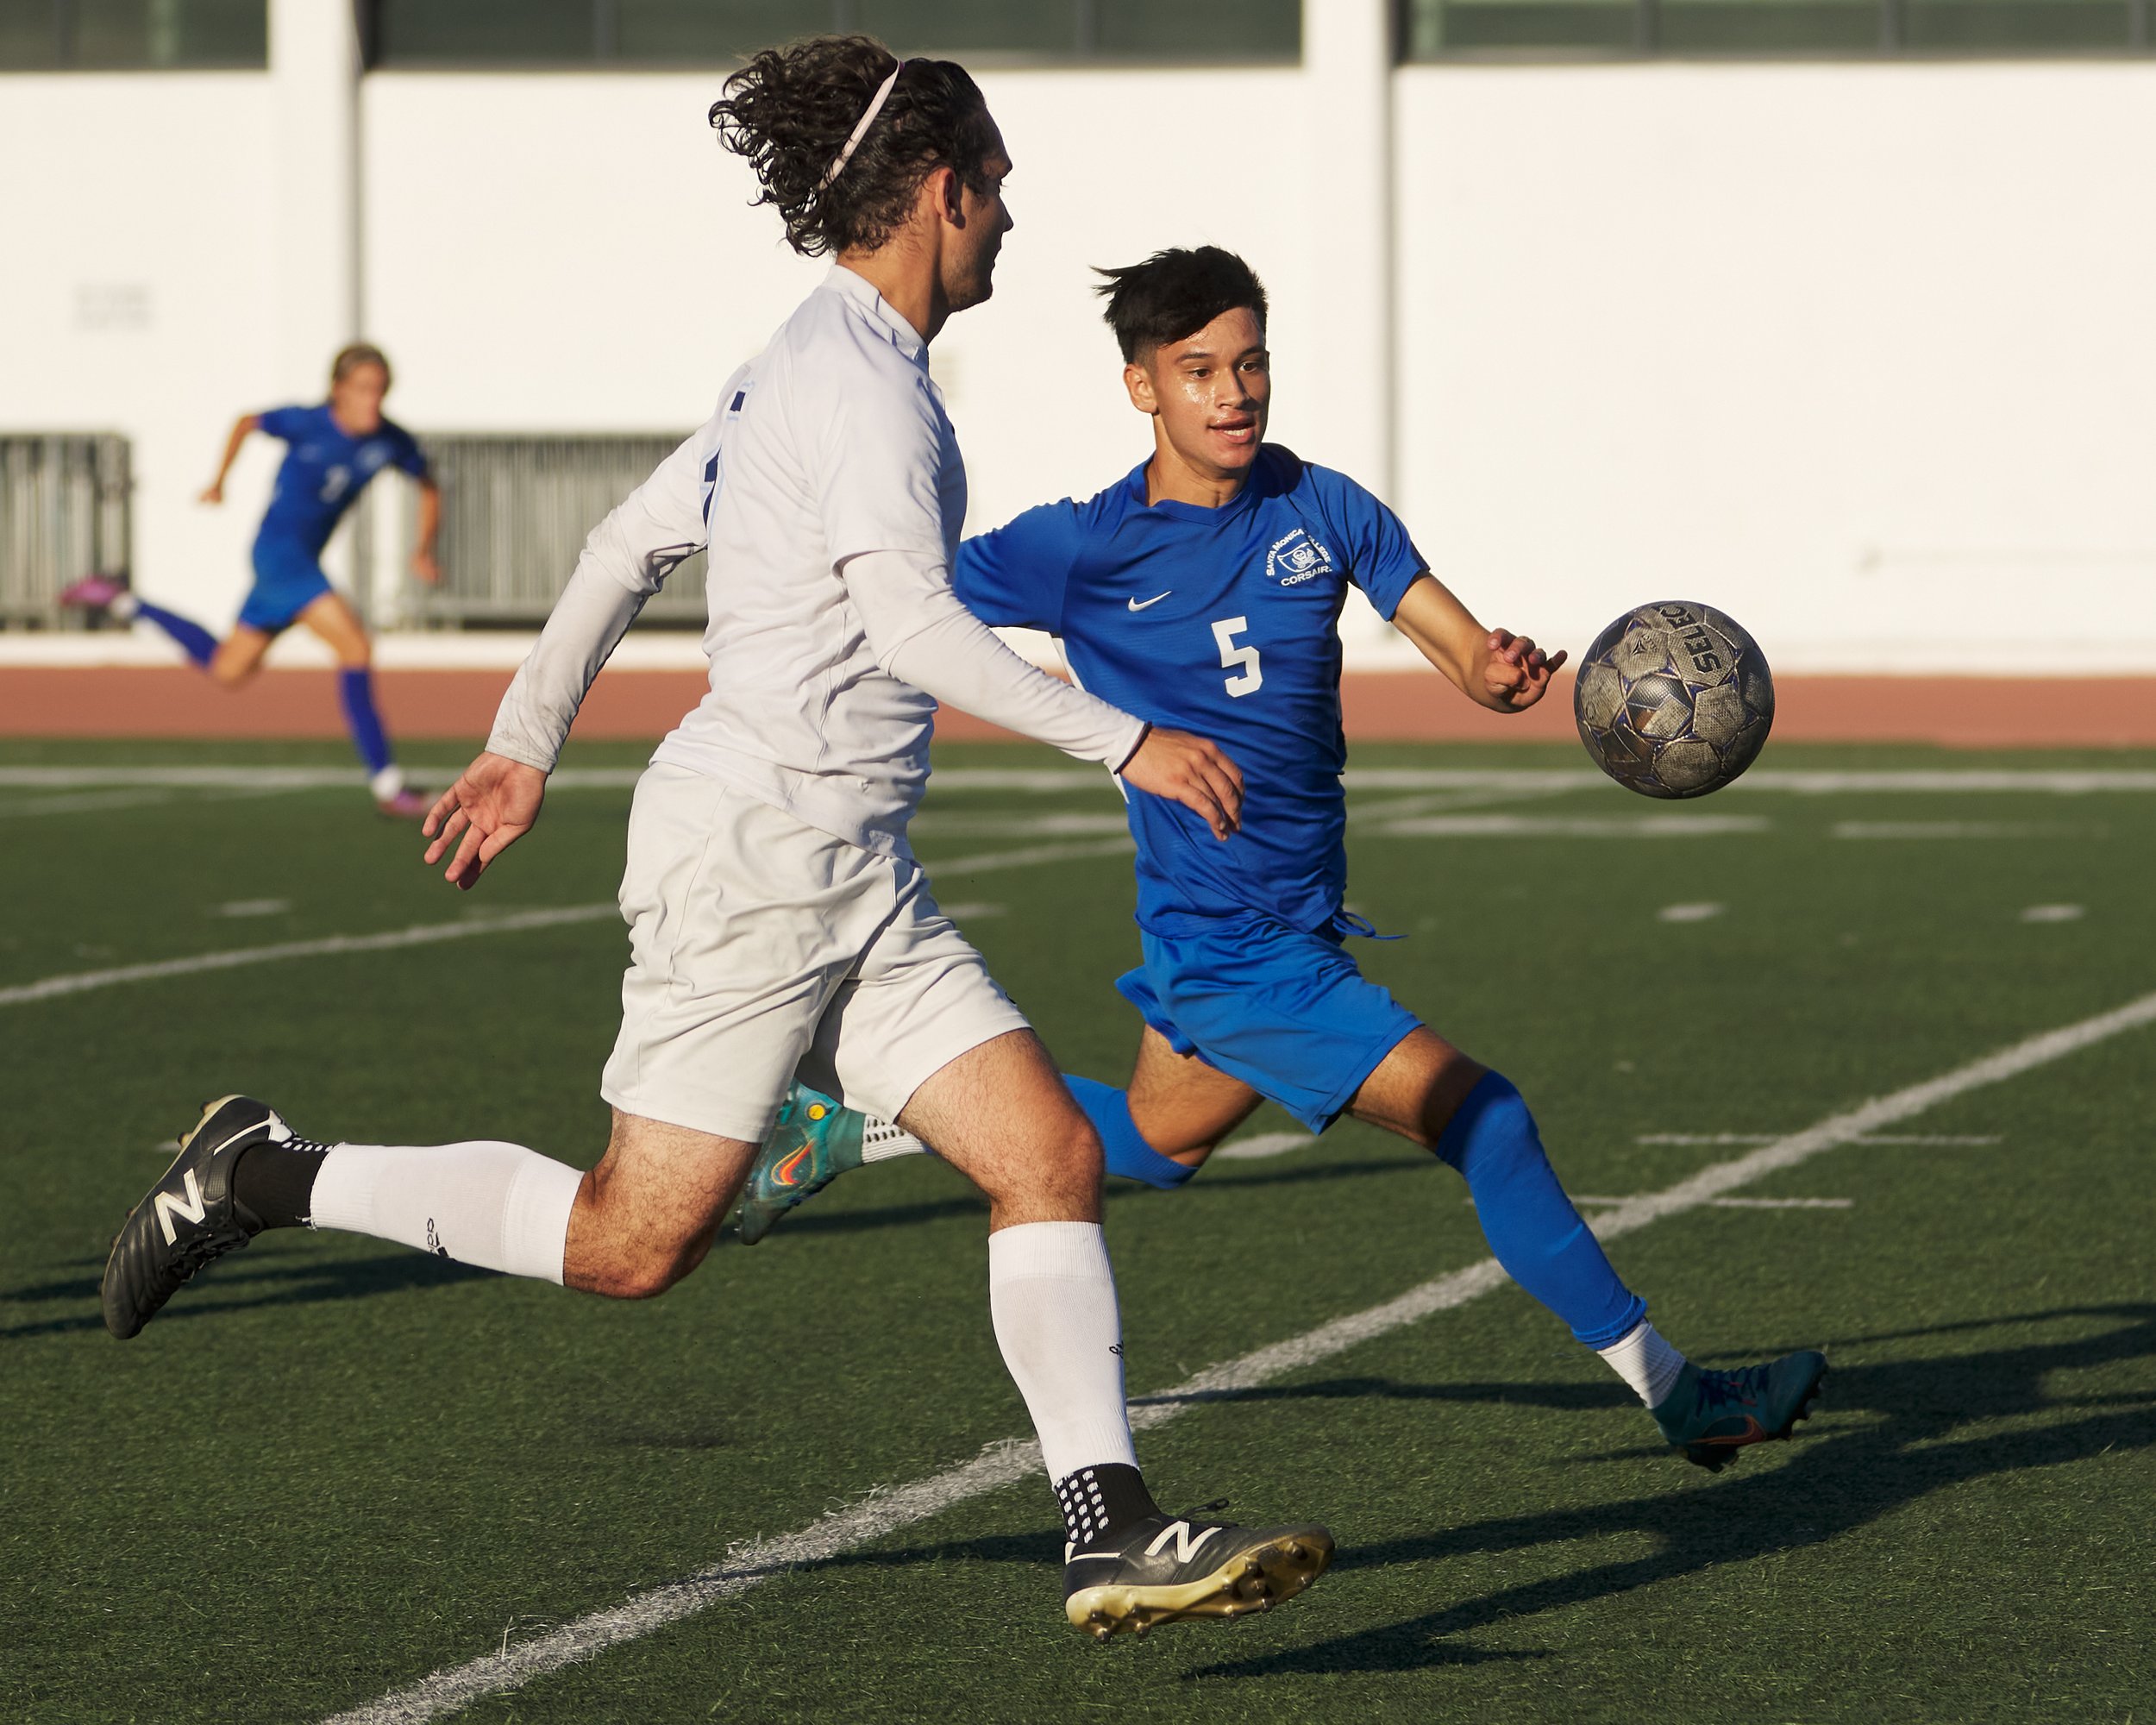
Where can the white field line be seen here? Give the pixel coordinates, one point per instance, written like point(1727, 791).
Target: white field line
point(1740, 1203)
point(1926, 1139)
point(1025, 859)
point(1263, 1146)
point(1005, 1464)
point(426, 934)
point(2059, 781)
point(1556, 827)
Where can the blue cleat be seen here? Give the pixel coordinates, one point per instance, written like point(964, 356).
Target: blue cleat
point(813, 1141)
point(1710, 1415)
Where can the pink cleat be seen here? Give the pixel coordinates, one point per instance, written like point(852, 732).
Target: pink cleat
point(94, 592)
point(406, 804)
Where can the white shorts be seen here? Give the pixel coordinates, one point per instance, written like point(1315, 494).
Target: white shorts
point(759, 945)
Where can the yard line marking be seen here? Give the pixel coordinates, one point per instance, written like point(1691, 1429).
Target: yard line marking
point(1741, 1203)
point(1261, 1145)
point(1588, 826)
point(1025, 859)
point(1941, 829)
point(423, 934)
point(252, 907)
point(1699, 912)
point(2059, 781)
point(1064, 825)
point(1006, 1462)
point(1924, 1138)
point(2053, 914)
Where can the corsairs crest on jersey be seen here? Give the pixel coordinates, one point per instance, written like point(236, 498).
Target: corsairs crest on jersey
point(1295, 557)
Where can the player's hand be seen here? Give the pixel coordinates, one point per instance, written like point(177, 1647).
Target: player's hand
point(493, 804)
point(424, 566)
point(1515, 672)
point(1191, 771)
point(213, 495)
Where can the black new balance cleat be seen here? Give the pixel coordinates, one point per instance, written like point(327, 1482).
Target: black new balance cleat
point(1163, 1569)
point(189, 1217)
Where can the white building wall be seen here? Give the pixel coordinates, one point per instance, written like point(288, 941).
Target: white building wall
point(1861, 353)
point(1866, 355)
point(140, 294)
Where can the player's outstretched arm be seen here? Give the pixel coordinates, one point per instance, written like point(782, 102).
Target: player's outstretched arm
point(241, 428)
point(494, 802)
point(1191, 771)
point(1494, 667)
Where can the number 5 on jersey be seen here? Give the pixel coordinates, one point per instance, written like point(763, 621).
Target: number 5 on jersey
point(1250, 677)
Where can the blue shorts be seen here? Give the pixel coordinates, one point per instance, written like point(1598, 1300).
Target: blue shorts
point(286, 581)
point(1288, 1013)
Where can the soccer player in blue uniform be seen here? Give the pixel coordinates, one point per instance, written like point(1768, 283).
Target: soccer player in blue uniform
point(1202, 592)
point(333, 451)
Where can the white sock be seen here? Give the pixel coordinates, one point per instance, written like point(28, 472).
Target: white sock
point(1646, 1361)
point(386, 783)
point(880, 1140)
point(499, 1205)
point(124, 606)
point(1052, 1296)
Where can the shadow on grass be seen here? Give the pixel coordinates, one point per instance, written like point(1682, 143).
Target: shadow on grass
point(1829, 1488)
point(1832, 1485)
point(250, 1284)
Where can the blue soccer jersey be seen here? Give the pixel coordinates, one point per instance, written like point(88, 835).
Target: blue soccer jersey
point(325, 468)
point(1221, 622)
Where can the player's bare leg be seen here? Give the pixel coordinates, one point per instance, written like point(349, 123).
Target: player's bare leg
point(331, 619)
point(1001, 1115)
point(238, 657)
point(1183, 1108)
point(1474, 1119)
point(646, 1216)
point(1178, 1111)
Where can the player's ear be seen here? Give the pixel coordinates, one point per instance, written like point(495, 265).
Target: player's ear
point(949, 196)
point(1139, 382)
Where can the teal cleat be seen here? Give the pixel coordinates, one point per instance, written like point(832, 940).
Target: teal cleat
point(813, 1141)
point(1710, 1415)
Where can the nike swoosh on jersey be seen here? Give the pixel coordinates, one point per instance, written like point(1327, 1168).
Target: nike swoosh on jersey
point(1137, 605)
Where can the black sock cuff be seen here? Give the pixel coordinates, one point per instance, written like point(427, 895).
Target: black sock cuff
point(1099, 1502)
point(275, 1183)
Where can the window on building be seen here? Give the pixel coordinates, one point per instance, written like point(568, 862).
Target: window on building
point(655, 33)
point(132, 36)
point(1437, 29)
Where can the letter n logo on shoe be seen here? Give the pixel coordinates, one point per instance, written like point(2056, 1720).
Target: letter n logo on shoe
point(1186, 1547)
point(169, 1204)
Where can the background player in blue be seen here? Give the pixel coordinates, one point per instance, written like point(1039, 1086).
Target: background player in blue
point(1202, 590)
point(333, 451)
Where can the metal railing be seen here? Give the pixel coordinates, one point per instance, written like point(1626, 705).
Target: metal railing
point(515, 513)
point(64, 514)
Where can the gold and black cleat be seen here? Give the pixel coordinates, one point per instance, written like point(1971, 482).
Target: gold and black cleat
point(1165, 1569)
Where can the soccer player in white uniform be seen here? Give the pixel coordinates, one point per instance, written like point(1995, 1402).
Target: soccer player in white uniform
point(778, 919)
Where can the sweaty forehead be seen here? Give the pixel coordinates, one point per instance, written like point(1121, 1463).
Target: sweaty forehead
point(1229, 336)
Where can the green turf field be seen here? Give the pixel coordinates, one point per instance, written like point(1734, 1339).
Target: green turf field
point(335, 1467)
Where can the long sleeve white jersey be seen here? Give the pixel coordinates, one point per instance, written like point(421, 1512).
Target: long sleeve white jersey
point(829, 491)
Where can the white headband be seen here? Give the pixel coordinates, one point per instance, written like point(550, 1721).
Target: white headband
point(861, 128)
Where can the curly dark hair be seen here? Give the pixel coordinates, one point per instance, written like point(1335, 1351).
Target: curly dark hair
point(790, 110)
point(1176, 293)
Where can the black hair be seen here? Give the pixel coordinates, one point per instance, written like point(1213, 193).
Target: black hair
point(790, 110)
point(1176, 293)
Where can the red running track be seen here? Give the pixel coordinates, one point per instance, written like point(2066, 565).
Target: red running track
point(1418, 706)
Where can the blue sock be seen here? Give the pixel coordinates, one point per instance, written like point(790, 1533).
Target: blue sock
point(195, 642)
point(1128, 1155)
point(357, 687)
point(1529, 1222)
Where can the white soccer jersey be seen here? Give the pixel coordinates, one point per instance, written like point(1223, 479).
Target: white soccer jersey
point(830, 490)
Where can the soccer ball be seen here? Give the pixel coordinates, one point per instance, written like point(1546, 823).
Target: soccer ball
point(1673, 700)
